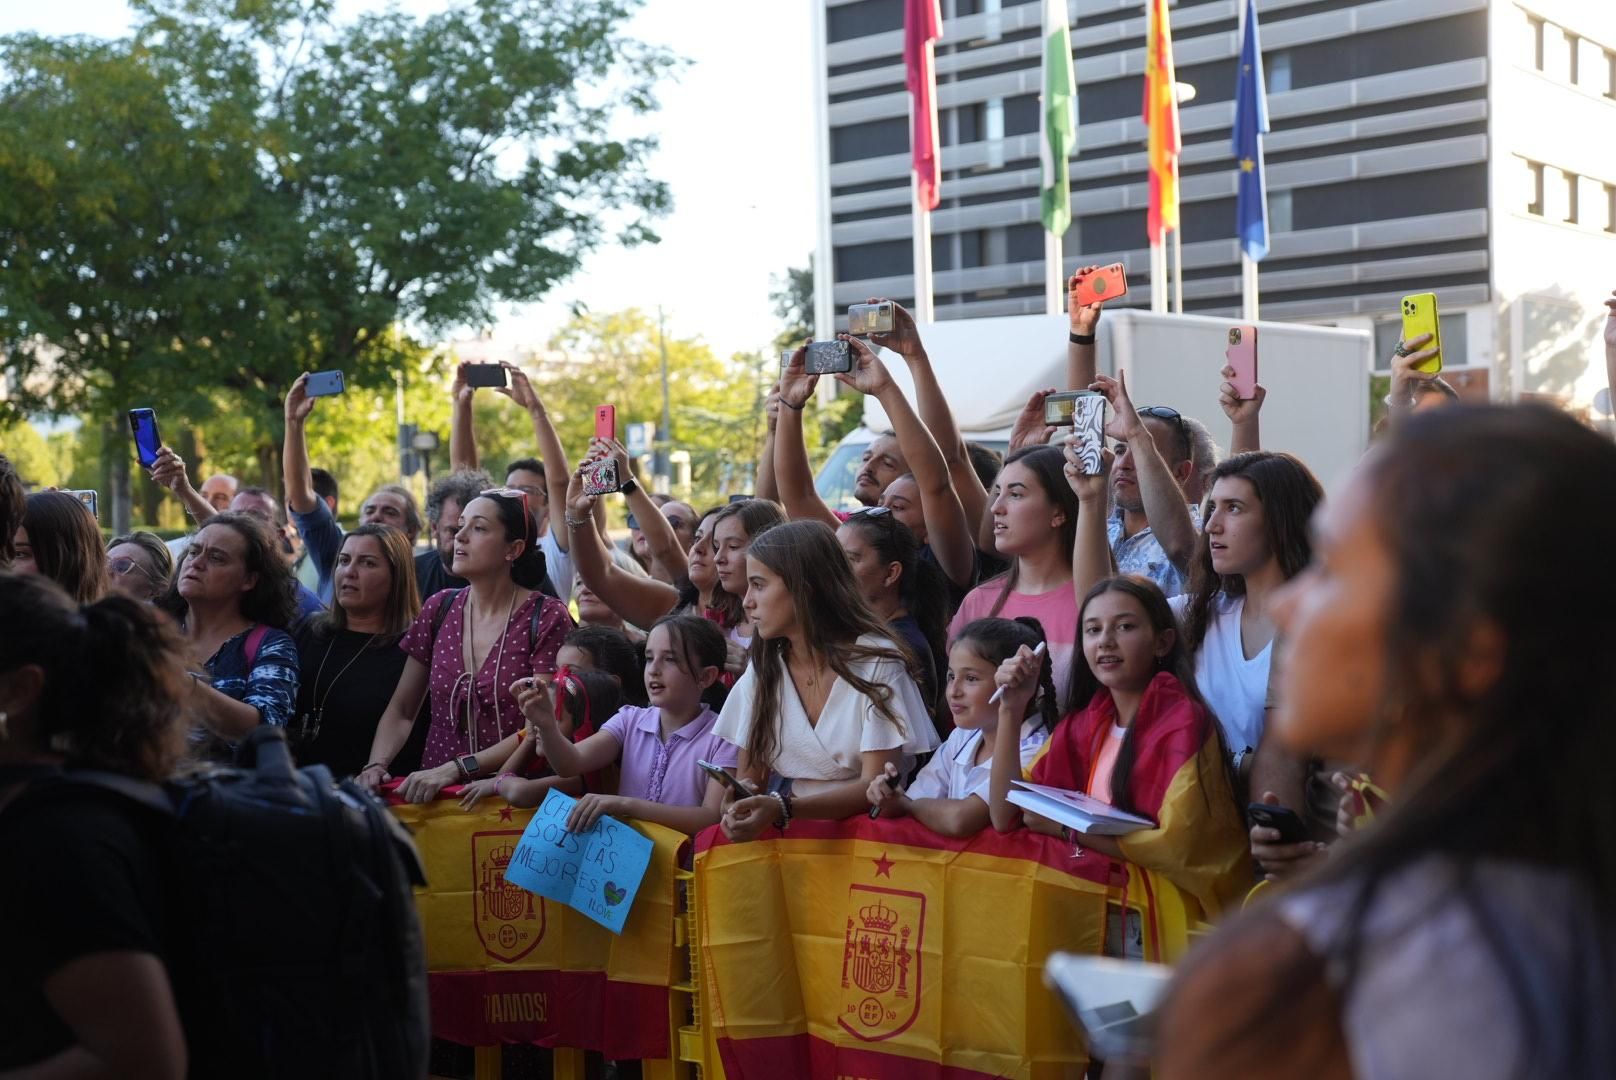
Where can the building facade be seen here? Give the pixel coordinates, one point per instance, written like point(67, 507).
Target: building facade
point(1463, 147)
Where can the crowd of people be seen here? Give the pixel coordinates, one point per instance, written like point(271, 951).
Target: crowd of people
point(1400, 667)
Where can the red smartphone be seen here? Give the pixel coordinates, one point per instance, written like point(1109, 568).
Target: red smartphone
point(605, 421)
point(1242, 356)
point(1106, 283)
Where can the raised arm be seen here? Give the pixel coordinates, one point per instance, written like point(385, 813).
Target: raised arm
point(764, 486)
point(299, 480)
point(661, 542)
point(639, 600)
point(1017, 678)
point(791, 470)
point(1407, 377)
point(1091, 555)
point(169, 471)
point(462, 429)
point(556, 470)
point(947, 529)
point(934, 411)
point(1082, 357)
point(1242, 414)
point(1165, 508)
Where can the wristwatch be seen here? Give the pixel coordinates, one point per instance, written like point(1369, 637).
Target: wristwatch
point(628, 485)
point(468, 766)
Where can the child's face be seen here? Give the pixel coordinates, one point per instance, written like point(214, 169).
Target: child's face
point(970, 685)
point(668, 683)
point(571, 656)
point(1120, 644)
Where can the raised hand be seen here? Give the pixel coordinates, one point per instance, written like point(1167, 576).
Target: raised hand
point(1084, 317)
point(796, 385)
point(298, 402)
point(1406, 374)
point(1239, 411)
point(1089, 488)
point(869, 375)
point(169, 471)
point(1029, 428)
point(904, 338)
point(520, 389)
point(459, 390)
point(1124, 423)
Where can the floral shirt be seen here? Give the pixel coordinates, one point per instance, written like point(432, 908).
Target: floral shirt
point(1142, 554)
point(487, 697)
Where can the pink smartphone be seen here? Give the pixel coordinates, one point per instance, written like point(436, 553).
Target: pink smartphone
point(1242, 356)
point(605, 421)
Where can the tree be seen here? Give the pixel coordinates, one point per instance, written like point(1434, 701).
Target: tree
point(245, 190)
point(792, 295)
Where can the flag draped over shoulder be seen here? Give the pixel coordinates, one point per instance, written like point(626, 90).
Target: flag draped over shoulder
point(1250, 125)
point(1161, 117)
point(922, 25)
point(1058, 120)
point(505, 965)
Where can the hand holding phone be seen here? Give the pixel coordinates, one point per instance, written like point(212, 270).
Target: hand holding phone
point(1290, 826)
point(1241, 356)
point(1420, 316)
point(1096, 287)
point(143, 425)
point(324, 384)
point(725, 777)
point(601, 478)
point(606, 422)
point(484, 374)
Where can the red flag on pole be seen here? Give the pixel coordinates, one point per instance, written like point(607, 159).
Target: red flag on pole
point(1161, 116)
point(922, 25)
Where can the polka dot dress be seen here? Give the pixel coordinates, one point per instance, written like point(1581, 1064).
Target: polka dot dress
point(493, 710)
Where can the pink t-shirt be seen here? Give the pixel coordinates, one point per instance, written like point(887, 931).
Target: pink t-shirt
point(494, 711)
point(665, 771)
point(1055, 609)
point(1105, 763)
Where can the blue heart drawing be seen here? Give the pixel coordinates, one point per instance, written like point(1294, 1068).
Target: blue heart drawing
point(614, 895)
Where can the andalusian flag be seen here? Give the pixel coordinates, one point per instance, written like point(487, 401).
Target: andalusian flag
point(1161, 117)
point(1058, 120)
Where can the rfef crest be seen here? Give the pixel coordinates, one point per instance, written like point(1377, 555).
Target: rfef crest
point(509, 919)
point(881, 961)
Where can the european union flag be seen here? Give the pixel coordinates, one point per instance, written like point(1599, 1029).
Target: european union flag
point(1250, 125)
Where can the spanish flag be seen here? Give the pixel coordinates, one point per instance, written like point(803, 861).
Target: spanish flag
point(507, 966)
point(1161, 118)
point(877, 948)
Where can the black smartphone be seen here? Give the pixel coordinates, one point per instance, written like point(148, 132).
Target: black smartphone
point(1292, 829)
point(485, 375)
point(143, 423)
point(741, 498)
point(324, 384)
point(828, 357)
point(725, 777)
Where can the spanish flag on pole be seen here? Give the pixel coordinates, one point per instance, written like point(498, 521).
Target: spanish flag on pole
point(1161, 117)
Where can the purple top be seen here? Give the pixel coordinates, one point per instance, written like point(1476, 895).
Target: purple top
point(666, 772)
point(493, 709)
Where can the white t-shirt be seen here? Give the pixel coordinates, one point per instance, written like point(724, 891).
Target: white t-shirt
point(952, 772)
point(558, 564)
point(1235, 688)
point(849, 724)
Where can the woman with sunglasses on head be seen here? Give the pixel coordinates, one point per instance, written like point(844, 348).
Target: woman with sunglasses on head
point(60, 539)
point(139, 565)
point(468, 646)
point(1470, 931)
point(907, 592)
point(827, 702)
point(349, 655)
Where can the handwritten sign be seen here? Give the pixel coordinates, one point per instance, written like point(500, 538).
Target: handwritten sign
point(597, 872)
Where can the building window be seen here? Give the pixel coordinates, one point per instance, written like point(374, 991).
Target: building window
point(1279, 212)
point(1534, 188)
point(1277, 70)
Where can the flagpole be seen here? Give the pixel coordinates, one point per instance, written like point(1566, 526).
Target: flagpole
point(1248, 288)
point(1054, 274)
point(1178, 270)
point(924, 311)
point(1158, 278)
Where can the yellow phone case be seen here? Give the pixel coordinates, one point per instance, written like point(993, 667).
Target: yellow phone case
point(1420, 317)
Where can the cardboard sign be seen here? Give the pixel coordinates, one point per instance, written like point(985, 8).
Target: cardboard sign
point(597, 872)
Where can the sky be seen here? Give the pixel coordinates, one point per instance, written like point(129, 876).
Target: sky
point(736, 133)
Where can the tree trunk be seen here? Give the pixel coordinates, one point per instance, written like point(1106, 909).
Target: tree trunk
point(115, 468)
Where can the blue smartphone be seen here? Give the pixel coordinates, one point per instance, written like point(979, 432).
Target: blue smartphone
point(324, 384)
point(143, 423)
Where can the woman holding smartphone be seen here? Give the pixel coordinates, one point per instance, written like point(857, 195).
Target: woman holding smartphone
point(1471, 931)
point(827, 701)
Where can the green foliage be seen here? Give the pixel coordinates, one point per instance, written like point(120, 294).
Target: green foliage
point(792, 295)
point(30, 455)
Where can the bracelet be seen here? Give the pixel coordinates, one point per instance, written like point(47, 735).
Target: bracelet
point(497, 781)
point(793, 408)
point(1080, 339)
point(571, 524)
point(785, 809)
point(382, 765)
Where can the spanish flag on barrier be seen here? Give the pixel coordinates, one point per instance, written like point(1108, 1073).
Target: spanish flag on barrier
point(1161, 117)
point(507, 966)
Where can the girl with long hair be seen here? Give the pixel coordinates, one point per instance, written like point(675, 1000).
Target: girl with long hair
point(1142, 741)
point(950, 795)
point(1035, 518)
point(349, 654)
point(908, 592)
point(235, 598)
point(1470, 930)
point(468, 647)
point(60, 539)
point(827, 701)
point(85, 989)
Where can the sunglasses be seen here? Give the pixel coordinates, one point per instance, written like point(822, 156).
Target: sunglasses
point(1172, 416)
point(873, 513)
point(512, 493)
point(124, 565)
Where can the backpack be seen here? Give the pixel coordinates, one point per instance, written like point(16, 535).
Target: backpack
point(295, 946)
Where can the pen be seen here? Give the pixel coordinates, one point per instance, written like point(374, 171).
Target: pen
point(999, 693)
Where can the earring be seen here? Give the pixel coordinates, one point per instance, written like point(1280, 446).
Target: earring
point(4, 720)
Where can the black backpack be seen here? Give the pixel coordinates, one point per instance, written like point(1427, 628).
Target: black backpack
point(297, 951)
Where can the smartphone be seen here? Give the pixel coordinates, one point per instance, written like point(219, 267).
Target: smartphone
point(485, 375)
point(870, 318)
point(1106, 283)
point(785, 359)
point(601, 478)
point(1292, 829)
point(85, 496)
point(1059, 409)
point(1420, 317)
point(605, 421)
point(143, 423)
point(1242, 356)
point(828, 357)
point(741, 498)
point(1113, 1002)
point(725, 777)
point(324, 384)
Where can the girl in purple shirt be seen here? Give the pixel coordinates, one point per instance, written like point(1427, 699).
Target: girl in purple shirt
point(657, 747)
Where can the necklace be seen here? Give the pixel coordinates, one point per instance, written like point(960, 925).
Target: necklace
point(468, 677)
point(309, 723)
